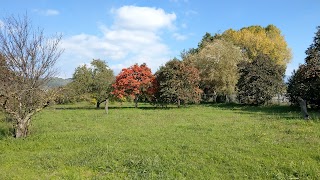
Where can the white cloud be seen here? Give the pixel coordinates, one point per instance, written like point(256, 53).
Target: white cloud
point(143, 18)
point(47, 12)
point(176, 1)
point(179, 37)
point(133, 37)
point(51, 12)
point(191, 12)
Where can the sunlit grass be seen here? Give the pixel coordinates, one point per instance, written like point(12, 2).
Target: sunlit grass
point(194, 142)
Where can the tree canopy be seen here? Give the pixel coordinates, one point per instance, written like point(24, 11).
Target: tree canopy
point(134, 82)
point(177, 82)
point(305, 82)
point(260, 80)
point(217, 62)
point(256, 40)
point(94, 81)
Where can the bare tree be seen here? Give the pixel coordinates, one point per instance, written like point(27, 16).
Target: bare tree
point(27, 58)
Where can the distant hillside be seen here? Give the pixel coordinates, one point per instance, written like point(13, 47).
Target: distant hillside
point(58, 82)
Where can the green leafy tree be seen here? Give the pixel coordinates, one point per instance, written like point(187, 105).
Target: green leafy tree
point(305, 82)
point(82, 81)
point(95, 81)
point(260, 80)
point(217, 62)
point(103, 78)
point(177, 82)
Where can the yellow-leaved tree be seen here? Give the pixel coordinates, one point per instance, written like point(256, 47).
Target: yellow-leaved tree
point(256, 40)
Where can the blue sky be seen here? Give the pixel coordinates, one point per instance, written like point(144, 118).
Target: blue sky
point(124, 32)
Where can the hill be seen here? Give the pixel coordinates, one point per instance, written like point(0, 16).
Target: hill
point(58, 82)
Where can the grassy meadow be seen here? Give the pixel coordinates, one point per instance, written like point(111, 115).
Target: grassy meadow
point(195, 142)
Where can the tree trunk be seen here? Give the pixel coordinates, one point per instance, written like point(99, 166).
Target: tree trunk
point(303, 106)
point(107, 106)
point(179, 103)
point(227, 99)
point(98, 105)
point(21, 128)
point(136, 102)
point(214, 98)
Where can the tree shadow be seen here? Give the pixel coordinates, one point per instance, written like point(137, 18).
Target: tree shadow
point(114, 107)
point(280, 111)
point(5, 132)
point(6, 129)
point(75, 108)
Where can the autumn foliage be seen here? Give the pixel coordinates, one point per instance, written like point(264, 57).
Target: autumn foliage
point(133, 82)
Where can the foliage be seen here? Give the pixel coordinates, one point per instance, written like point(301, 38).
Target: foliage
point(177, 82)
point(207, 39)
point(217, 62)
point(27, 62)
point(256, 40)
point(305, 82)
point(134, 82)
point(260, 80)
point(200, 141)
point(313, 52)
point(94, 82)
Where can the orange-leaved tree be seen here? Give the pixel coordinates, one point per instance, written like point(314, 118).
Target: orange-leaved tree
point(134, 82)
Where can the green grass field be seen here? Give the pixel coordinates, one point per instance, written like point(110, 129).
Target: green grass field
point(194, 142)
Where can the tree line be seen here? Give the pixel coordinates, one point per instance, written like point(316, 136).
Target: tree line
point(246, 65)
point(249, 63)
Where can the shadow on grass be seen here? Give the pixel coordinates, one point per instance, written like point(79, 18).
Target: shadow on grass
point(6, 129)
point(282, 111)
point(278, 111)
point(114, 107)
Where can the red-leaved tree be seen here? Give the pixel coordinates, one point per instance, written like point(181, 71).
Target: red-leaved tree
point(134, 82)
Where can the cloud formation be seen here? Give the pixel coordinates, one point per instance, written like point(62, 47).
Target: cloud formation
point(179, 36)
point(133, 37)
point(177, 1)
point(143, 18)
point(47, 12)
